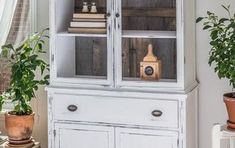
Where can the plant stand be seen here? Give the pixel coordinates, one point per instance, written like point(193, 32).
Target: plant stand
point(221, 132)
point(27, 145)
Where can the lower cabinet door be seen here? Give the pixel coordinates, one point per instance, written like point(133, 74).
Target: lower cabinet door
point(83, 136)
point(139, 138)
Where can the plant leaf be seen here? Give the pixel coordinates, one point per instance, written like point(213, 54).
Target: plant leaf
point(199, 19)
point(206, 27)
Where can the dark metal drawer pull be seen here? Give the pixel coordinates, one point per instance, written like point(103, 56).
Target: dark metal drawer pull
point(72, 108)
point(157, 113)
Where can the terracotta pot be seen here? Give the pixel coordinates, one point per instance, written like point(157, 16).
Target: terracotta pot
point(229, 100)
point(19, 127)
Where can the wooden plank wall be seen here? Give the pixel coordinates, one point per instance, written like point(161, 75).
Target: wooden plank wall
point(133, 50)
point(91, 56)
point(91, 52)
point(148, 22)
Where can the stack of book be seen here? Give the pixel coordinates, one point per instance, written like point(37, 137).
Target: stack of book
point(88, 23)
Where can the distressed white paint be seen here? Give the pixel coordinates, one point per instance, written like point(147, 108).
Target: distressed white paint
point(61, 13)
point(148, 34)
point(211, 88)
point(116, 110)
point(122, 109)
point(64, 33)
point(139, 138)
point(126, 109)
point(84, 136)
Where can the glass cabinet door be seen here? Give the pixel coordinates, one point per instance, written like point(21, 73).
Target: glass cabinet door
point(83, 41)
point(146, 24)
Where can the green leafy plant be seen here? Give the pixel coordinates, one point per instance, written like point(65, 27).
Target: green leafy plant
point(24, 61)
point(222, 34)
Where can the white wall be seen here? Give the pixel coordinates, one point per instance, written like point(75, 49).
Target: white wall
point(40, 106)
point(211, 107)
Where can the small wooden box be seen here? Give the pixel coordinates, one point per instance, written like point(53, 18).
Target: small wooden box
point(150, 68)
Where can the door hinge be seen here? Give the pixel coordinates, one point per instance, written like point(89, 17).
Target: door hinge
point(52, 57)
point(54, 132)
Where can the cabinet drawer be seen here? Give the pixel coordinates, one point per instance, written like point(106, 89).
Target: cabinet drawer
point(163, 113)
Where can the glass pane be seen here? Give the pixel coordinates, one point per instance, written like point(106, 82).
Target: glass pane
point(149, 15)
point(135, 49)
point(91, 56)
point(84, 57)
point(70, 14)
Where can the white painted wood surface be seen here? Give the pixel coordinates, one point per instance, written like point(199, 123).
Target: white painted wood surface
point(140, 138)
point(62, 63)
point(65, 33)
point(220, 132)
point(148, 34)
point(116, 110)
point(126, 109)
point(83, 136)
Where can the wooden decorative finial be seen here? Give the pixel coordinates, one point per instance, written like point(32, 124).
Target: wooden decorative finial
point(150, 57)
point(150, 68)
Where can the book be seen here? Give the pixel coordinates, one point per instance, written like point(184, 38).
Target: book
point(89, 15)
point(88, 24)
point(89, 20)
point(87, 30)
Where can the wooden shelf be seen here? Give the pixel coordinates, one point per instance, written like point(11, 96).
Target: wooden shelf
point(152, 12)
point(148, 34)
point(128, 34)
point(134, 79)
point(80, 34)
point(132, 12)
point(90, 77)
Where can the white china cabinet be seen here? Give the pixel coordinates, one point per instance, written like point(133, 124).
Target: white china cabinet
point(96, 98)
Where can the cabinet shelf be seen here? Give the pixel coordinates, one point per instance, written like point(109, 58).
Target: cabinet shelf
point(152, 12)
point(143, 81)
point(81, 34)
point(90, 77)
point(148, 34)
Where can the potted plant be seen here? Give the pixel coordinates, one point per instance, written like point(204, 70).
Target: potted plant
point(24, 61)
point(222, 52)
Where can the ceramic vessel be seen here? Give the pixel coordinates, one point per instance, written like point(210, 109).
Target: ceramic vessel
point(93, 7)
point(85, 7)
point(229, 100)
point(19, 127)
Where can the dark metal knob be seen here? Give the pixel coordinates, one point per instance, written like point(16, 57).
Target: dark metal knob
point(72, 108)
point(108, 15)
point(157, 113)
point(149, 70)
point(117, 15)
